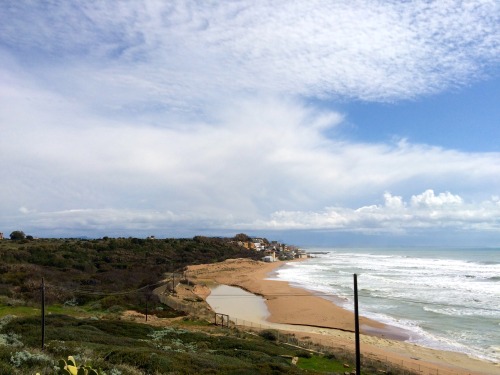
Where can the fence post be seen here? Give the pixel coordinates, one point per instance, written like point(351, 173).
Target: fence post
point(356, 326)
point(43, 313)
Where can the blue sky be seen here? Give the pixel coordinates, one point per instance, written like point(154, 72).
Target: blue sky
point(466, 119)
point(313, 122)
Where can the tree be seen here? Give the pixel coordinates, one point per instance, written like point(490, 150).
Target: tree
point(17, 235)
point(242, 237)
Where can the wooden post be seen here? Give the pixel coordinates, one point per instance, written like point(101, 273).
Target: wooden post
point(356, 326)
point(173, 279)
point(43, 314)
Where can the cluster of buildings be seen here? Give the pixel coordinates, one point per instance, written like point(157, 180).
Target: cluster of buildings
point(273, 250)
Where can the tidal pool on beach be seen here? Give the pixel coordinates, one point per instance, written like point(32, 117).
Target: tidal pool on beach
point(238, 304)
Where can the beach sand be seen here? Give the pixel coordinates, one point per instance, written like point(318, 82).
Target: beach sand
point(323, 321)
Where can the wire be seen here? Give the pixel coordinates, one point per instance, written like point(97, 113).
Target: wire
point(267, 295)
point(103, 293)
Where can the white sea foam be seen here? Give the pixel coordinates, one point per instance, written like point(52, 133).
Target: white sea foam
point(449, 299)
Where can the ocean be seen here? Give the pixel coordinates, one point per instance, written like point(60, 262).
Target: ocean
point(445, 299)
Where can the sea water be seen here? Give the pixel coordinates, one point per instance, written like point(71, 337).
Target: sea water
point(446, 299)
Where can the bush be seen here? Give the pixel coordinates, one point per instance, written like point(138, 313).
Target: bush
point(28, 359)
point(330, 356)
point(304, 354)
point(5, 368)
point(269, 334)
point(116, 309)
point(17, 235)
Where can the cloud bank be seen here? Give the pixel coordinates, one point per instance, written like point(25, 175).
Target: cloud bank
point(395, 216)
point(241, 173)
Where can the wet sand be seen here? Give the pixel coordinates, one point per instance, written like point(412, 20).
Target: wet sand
point(304, 312)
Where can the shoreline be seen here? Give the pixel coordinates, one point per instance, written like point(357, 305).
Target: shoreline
point(322, 319)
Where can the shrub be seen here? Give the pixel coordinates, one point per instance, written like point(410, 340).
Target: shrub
point(17, 235)
point(10, 339)
point(269, 334)
point(28, 359)
point(5, 368)
point(330, 356)
point(116, 309)
point(303, 354)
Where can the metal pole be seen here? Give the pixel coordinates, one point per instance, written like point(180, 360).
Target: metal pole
point(356, 326)
point(43, 314)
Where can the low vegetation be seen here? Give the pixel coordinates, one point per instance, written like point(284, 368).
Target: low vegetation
point(120, 347)
point(88, 284)
point(79, 272)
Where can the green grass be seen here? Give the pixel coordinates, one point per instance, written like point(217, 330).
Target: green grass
point(19, 311)
point(192, 323)
point(185, 347)
point(117, 344)
point(321, 364)
point(27, 311)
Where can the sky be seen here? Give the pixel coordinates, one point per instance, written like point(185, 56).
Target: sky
point(315, 122)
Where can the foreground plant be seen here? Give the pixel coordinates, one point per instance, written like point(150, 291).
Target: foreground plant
point(70, 368)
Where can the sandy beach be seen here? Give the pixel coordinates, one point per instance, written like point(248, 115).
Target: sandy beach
point(323, 321)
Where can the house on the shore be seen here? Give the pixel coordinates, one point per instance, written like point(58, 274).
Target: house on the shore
point(246, 245)
point(259, 244)
point(269, 257)
point(272, 250)
point(301, 254)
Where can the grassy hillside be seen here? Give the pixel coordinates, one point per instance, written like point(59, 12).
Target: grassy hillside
point(81, 271)
point(88, 286)
point(127, 348)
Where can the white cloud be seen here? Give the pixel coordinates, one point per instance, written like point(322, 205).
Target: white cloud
point(264, 163)
point(394, 202)
point(394, 218)
point(192, 114)
point(374, 219)
point(429, 199)
point(138, 56)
